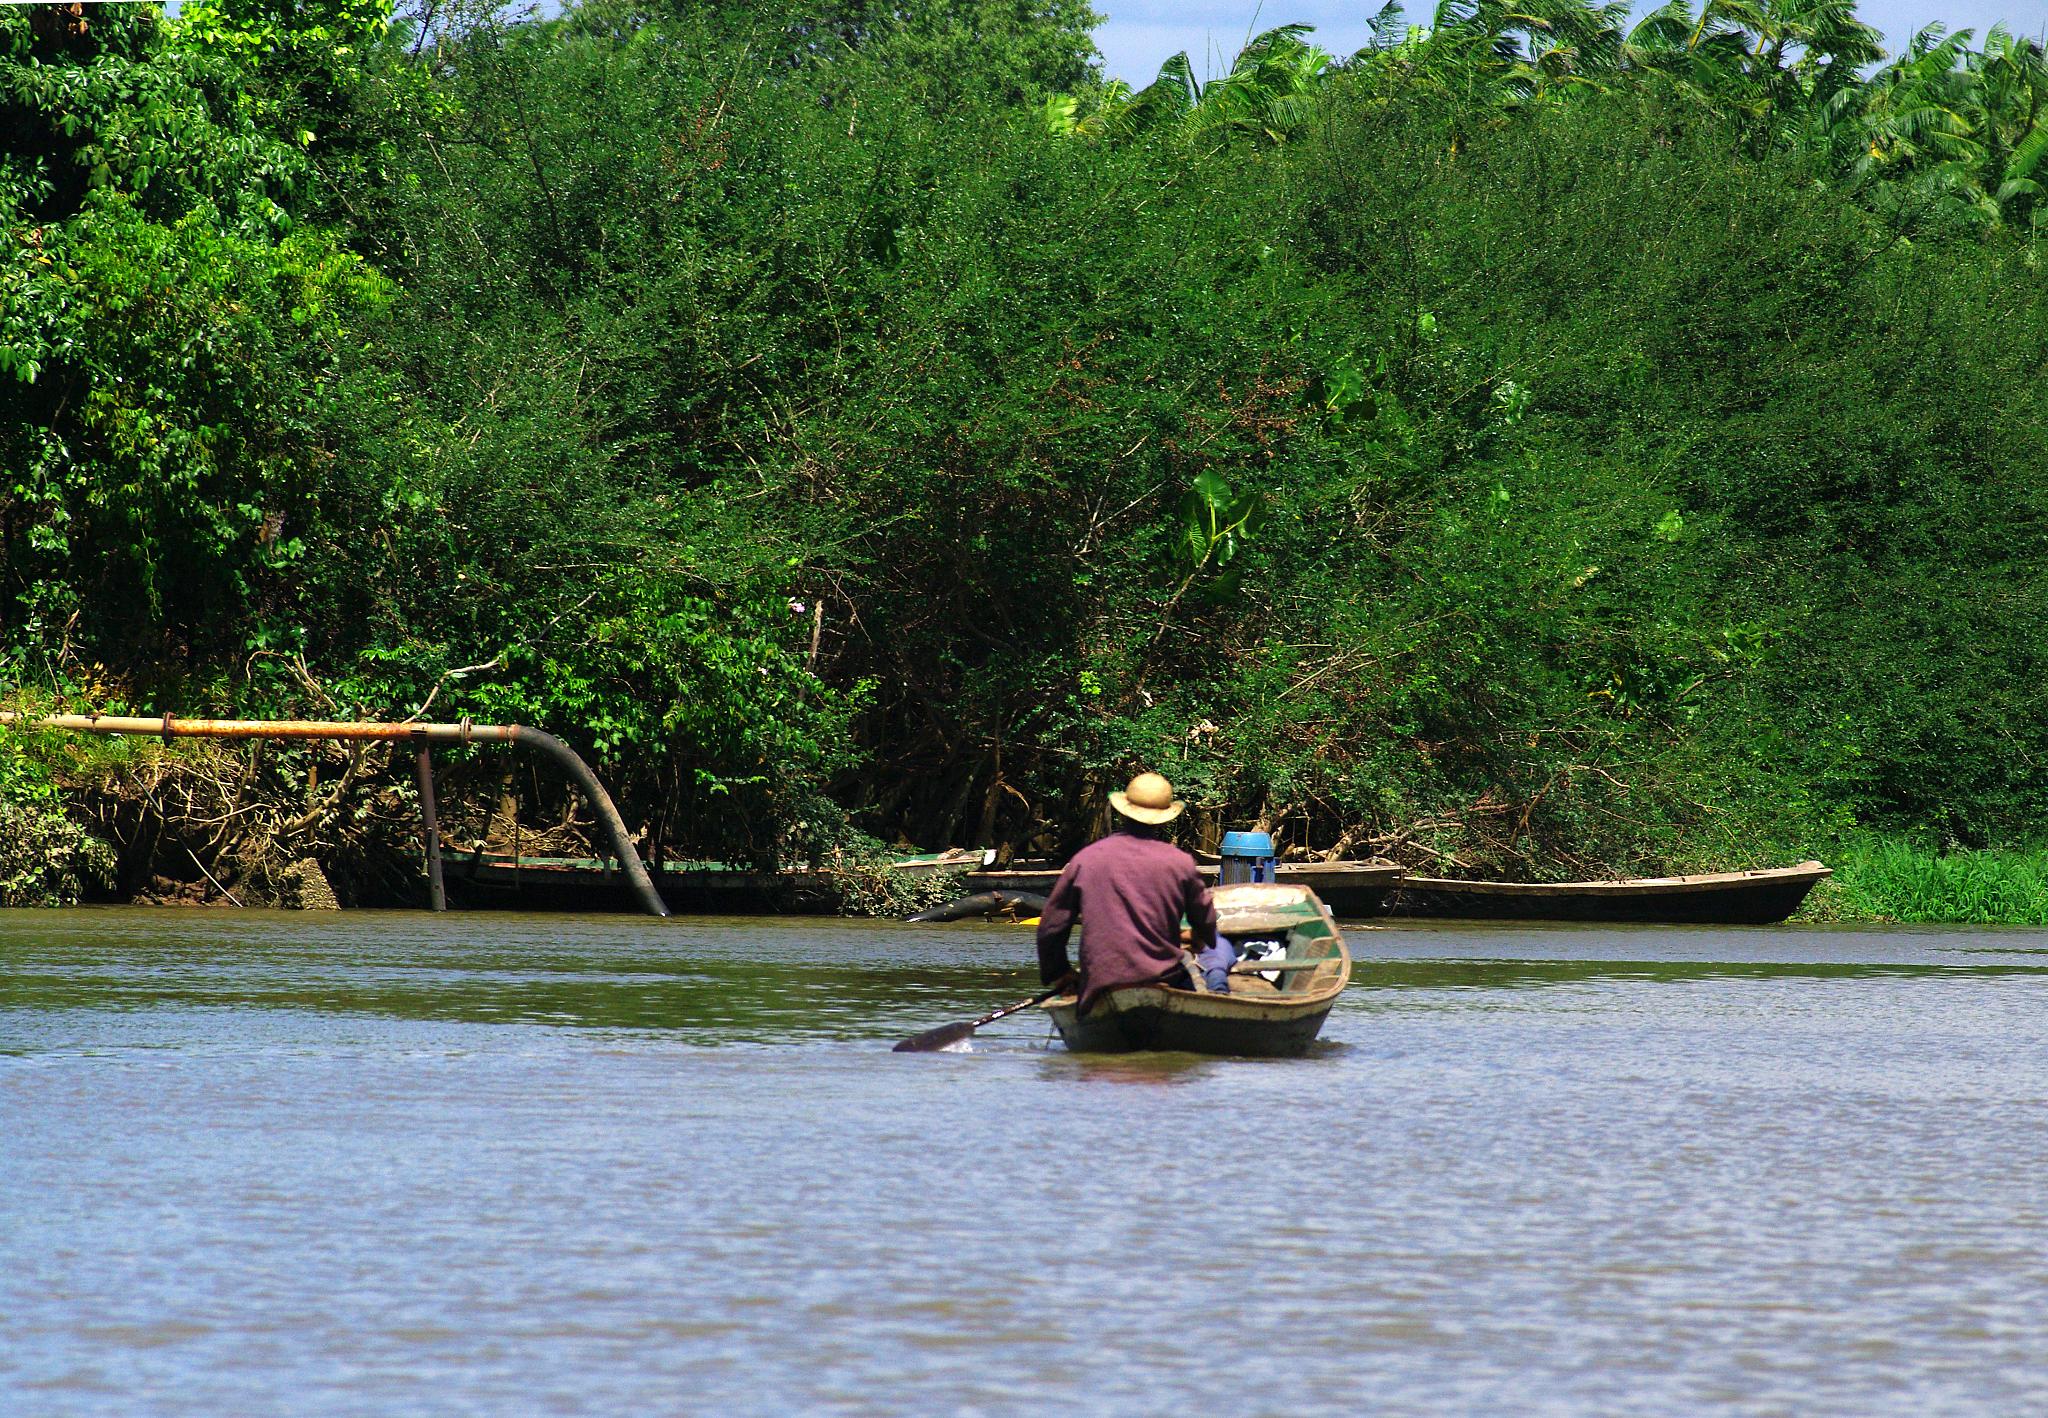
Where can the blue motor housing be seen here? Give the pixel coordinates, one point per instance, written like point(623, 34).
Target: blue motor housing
point(1247, 856)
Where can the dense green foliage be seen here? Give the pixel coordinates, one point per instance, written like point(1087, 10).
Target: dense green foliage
point(46, 857)
point(1533, 444)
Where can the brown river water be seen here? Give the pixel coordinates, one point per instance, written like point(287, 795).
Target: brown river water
point(369, 1163)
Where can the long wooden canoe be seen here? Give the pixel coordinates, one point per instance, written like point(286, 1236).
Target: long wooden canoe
point(1351, 890)
point(1257, 1017)
point(479, 880)
point(1730, 898)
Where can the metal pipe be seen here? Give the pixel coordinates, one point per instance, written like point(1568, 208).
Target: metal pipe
point(171, 727)
point(430, 831)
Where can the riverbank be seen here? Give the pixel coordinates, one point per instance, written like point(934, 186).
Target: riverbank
point(135, 821)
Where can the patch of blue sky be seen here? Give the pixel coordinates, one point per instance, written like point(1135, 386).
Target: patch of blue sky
point(1137, 35)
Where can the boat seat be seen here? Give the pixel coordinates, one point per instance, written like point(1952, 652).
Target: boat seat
point(1281, 963)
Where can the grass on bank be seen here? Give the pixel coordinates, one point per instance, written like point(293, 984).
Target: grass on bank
point(1892, 880)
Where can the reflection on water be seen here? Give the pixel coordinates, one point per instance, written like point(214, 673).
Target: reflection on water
point(490, 1164)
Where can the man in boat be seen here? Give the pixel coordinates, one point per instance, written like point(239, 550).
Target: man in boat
point(1131, 890)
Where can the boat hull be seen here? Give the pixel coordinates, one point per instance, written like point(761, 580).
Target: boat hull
point(1759, 898)
point(476, 882)
point(1139, 1027)
point(1352, 890)
point(484, 881)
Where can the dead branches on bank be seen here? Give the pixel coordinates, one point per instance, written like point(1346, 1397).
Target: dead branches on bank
point(253, 822)
point(1497, 833)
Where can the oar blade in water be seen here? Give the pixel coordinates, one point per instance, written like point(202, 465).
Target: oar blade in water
point(947, 1037)
point(953, 1038)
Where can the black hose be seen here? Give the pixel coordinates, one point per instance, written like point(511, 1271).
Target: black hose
point(607, 813)
point(983, 903)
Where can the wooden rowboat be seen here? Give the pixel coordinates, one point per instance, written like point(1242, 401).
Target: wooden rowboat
point(1730, 898)
point(1258, 1017)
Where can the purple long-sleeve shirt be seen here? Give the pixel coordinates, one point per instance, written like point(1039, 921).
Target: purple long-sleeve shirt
point(1130, 892)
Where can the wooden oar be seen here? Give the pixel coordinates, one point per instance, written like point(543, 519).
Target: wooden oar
point(946, 1035)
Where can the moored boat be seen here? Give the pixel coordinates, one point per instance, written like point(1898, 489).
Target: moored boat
point(1732, 898)
point(478, 880)
point(1352, 890)
point(1259, 1016)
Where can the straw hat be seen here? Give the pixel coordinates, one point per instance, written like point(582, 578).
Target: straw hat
point(1148, 798)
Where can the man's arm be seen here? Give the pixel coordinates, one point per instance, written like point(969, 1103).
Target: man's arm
point(1055, 924)
point(1201, 912)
